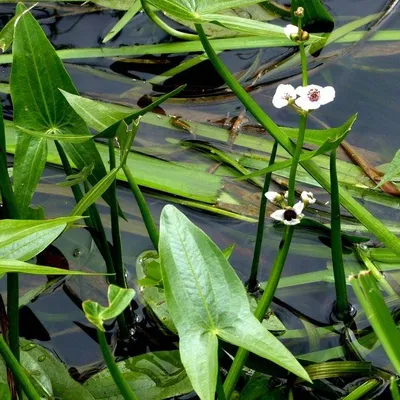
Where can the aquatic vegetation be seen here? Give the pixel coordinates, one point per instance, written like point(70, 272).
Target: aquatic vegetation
point(222, 337)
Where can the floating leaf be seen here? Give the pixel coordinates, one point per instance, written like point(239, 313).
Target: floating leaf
point(152, 376)
point(118, 300)
point(207, 301)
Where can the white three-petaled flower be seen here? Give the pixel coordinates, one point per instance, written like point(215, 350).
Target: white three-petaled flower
point(290, 30)
point(290, 215)
point(283, 94)
point(307, 198)
point(274, 197)
point(312, 97)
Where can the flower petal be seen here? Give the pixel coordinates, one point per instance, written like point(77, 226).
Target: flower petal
point(298, 208)
point(272, 196)
point(278, 215)
point(279, 102)
point(290, 30)
point(283, 94)
point(327, 95)
point(307, 197)
point(306, 104)
point(291, 222)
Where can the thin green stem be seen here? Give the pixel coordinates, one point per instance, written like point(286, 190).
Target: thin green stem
point(18, 371)
point(165, 27)
point(295, 161)
point(220, 388)
point(143, 207)
point(262, 307)
point(94, 222)
point(342, 308)
point(115, 230)
point(362, 390)
point(252, 281)
point(304, 71)
point(13, 312)
point(116, 374)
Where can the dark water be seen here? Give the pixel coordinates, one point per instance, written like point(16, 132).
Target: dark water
point(366, 78)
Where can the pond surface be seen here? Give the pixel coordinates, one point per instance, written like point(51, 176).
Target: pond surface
point(366, 76)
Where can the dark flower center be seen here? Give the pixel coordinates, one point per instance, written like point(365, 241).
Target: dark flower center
point(314, 95)
point(289, 215)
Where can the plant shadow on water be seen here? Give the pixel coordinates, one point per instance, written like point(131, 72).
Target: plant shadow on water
point(303, 303)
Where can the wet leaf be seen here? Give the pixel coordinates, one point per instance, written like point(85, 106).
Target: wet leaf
point(22, 240)
point(152, 376)
point(207, 301)
point(118, 299)
point(51, 371)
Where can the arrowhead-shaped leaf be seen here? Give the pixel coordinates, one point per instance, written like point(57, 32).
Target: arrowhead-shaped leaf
point(40, 108)
point(118, 300)
point(207, 300)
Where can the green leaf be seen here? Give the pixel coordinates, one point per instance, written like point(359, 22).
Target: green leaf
point(36, 77)
point(330, 144)
point(80, 177)
point(94, 193)
point(134, 8)
point(393, 169)
point(192, 10)
point(55, 134)
point(23, 267)
point(316, 16)
point(207, 300)
point(22, 240)
point(52, 376)
point(118, 299)
point(152, 376)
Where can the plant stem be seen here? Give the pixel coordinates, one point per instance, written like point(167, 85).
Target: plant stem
point(116, 374)
point(144, 208)
point(94, 222)
point(262, 307)
point(296, 157)
point(115, 231)
point(304, 72)
point(165, 27)
point(342, 308)
point(18, 371)
point(220, 388)
point(13, 312)
point(252, 281)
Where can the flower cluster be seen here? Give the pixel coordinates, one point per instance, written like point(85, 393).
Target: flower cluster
point(307, 98)
point(287, 214)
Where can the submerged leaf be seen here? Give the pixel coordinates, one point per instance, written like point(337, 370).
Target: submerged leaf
point(152, 376)
point(207, 300)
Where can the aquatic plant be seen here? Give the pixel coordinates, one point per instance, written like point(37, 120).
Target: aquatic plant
point(187, 280)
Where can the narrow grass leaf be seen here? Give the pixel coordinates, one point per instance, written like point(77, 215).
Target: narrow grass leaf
point(392, 170)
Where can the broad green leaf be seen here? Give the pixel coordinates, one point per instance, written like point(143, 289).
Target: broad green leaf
point(330, 144)
point(316, 16)
point(152, 376)
point(193, 9)
point(55, 134)
point(94, 193)
point(207, 300)
point(118, 299)
point(134, 7)
point(36, 77)
point(52, 372)
point(23, 267)
point(22, 240)
point(392, 170)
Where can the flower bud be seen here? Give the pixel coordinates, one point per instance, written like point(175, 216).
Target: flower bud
point(304, 36)
point(299, 13)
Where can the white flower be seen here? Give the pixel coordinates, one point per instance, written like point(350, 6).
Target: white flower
point(289, 215)
point(313, 96)
point(274, 197)
point(283, 94)
point(307, 198)
point(290, 30)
